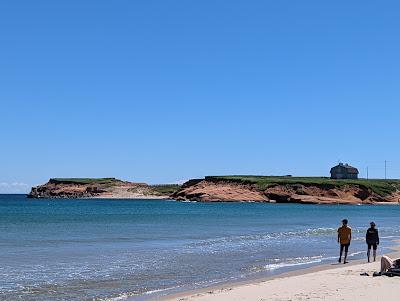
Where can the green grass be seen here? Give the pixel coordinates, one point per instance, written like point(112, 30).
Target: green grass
point(165, 189)
point(84, 180)
point(380, 187)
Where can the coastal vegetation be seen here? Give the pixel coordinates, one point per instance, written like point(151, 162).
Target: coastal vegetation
point(165, 189)
point(83, 180)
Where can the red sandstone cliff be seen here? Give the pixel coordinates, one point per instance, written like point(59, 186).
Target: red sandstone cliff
point(213, 190)
point(94, 188)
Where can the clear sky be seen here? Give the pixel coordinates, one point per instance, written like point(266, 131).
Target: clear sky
point(163, 91)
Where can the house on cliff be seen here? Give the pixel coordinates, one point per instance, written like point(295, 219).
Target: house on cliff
point(344, 171)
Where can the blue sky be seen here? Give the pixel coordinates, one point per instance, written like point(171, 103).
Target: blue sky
point(164, 91)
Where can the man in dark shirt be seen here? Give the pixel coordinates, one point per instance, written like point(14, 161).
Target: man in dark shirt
point(372, 239)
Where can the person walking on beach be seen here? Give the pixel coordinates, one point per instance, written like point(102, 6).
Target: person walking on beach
point(372, 239)
point(344, 239)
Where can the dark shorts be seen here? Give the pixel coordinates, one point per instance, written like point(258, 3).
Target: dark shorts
point(374, 246)
point(345, 247)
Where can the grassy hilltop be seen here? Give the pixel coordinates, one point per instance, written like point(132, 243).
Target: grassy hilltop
point(83, 180)
point(380, 187)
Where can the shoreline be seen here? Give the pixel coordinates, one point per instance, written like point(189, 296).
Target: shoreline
point(166, 198)
point(112, 197)
point(133, 197)
point(153, 249)
point(249, 288)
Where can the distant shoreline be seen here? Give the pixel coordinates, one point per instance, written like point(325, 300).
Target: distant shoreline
point(267, 189)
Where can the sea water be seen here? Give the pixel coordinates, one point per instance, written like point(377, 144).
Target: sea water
point(119, 249)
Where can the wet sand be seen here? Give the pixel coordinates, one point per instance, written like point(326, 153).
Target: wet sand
point(322, 282)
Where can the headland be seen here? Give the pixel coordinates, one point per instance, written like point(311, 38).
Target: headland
point(236, 188)
point(107, 188)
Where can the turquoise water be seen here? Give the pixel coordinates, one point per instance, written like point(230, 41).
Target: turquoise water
point(116, 249)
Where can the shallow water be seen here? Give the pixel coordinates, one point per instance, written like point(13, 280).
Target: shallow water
point(115, 249)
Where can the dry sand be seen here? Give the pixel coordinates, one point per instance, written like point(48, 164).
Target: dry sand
point(325, 282)
point(122, 192)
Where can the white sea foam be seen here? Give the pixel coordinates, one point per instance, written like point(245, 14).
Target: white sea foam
point(123, 296)
point(297, 261)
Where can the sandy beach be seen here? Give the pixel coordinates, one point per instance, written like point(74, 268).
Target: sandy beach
point(324, 282)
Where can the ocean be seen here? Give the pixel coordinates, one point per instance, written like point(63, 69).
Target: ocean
point(138, 249)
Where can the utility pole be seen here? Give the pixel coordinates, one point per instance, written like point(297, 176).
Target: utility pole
point(367, 172)
point(385, 169)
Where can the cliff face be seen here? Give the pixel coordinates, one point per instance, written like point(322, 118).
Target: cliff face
point(230, 189)
point(224, 191)
point(212, 189)
point(94, 188)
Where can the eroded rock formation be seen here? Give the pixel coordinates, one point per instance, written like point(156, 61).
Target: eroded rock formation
point(213, 189)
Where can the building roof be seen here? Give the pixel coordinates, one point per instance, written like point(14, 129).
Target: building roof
point(350, 169)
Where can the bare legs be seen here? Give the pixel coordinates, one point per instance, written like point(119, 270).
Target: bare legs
point(344, 247)
point(386, 263)
point(369, 253)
